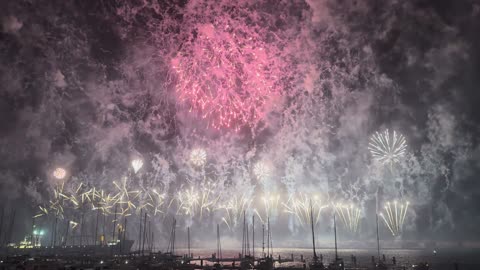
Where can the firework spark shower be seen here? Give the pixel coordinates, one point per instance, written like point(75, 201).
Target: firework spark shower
point(225, 76)
point(243, 106)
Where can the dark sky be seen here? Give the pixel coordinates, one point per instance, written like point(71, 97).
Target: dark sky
point(88, 85)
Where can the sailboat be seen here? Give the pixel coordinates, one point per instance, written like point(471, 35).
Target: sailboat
point(380, 264)
point(266, 261)
point(338, 263)
point(316, 264)
point(247, 260)
point(218, 265)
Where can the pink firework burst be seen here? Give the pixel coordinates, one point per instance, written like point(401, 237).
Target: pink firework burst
point(226, 75)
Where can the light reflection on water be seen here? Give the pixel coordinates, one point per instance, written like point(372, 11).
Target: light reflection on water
point(443, 260)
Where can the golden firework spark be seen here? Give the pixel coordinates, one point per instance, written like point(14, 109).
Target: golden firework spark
point(197, 201)
point(349, 214)
point(125, 197)
point(269, 203)
point(302, 205)
point(73, 224)
point(233, 209)
point(57, 204)
point(393, 215)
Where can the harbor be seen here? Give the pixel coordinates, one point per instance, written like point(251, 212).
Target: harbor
point(239, 134)
point(118, 254)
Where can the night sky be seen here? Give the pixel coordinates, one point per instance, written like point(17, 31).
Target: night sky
point(297, 87)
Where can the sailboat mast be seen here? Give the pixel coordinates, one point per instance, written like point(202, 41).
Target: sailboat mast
point(1, 222)
point(96, 228)
point(188, 237)
point(253, 236)
point(313, 232)
point(378, 239)
point(140, 232)
point(247, 241)
point(173, 238)
point(122, 243)
point(114, 223)
point(268, 236)
point(55, 231)
point(263, 240)
point(219, 249)
point(153, 241)
point(66, 233)
point(54, 228)
point(144, 232)
point(81, 229)
point(243, 236)
point(335, 232)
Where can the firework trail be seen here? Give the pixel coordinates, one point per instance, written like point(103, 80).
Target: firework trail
point(192, 202)
point(187, 201)
point(208, 198)
point(106, 202)
point(269, 207)
point(387, 148)
point(57, 204)
point(394, 216)
point(301, 206)
point(146, 201)
point(43, 211)
point(125, 197)
point(233, 209)
point(158, 200)
point(350, 216)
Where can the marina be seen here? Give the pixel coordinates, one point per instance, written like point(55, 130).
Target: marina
point(239, 134)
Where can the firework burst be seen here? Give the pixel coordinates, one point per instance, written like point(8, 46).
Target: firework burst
point(224, 75)
point(198, 157)
point(106, 202)
point(233, 209)
point(57, 203)
point(269, 207)
point(125, 197)
point(158, 202)
point(59, 173)
point(301, 206)
point(192, 202)
point(137, 164)
point(187, 201)
point(261, 171)
point(386, 147)
point(350, 216)
point(393, 215)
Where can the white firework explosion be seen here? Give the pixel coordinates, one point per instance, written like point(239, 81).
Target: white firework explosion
point(137, 164)
point(198, 157)
point(387, 148)
point(261, 171)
